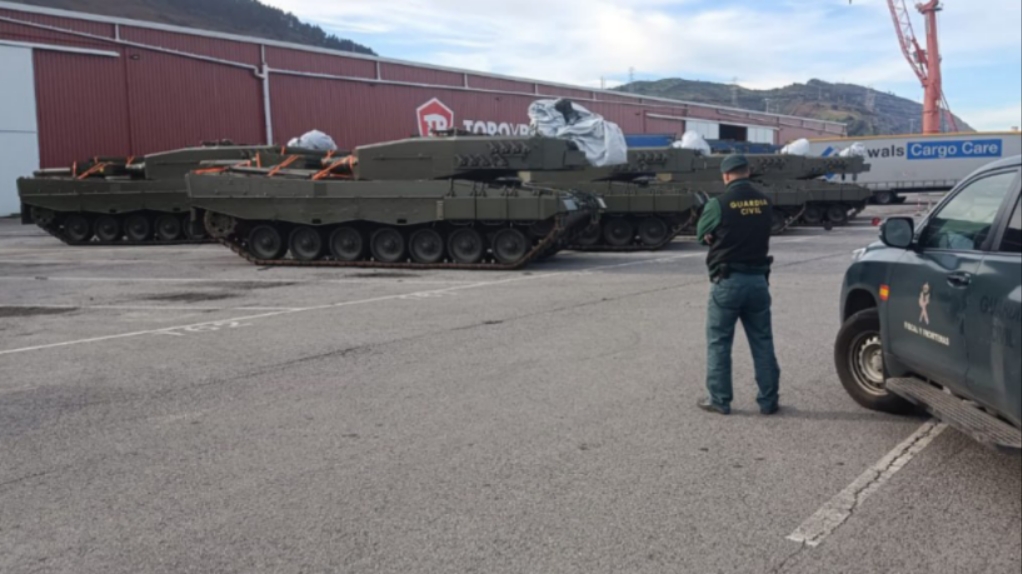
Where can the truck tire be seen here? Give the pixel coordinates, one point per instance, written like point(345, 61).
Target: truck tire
point(883, 197)
point(858, 357)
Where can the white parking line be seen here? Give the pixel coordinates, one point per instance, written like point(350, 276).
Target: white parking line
point(237, 321)
point(837, 510)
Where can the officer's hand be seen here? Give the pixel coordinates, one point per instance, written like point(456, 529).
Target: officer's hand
point(708, 238)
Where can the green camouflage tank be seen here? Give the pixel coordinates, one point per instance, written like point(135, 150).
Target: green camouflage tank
point(129, 200)
point(438, 202)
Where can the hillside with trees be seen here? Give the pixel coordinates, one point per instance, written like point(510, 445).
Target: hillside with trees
point(865, 111)
point(242, 17)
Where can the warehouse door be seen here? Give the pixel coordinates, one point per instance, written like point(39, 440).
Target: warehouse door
point(709, 130)
point(19, 137)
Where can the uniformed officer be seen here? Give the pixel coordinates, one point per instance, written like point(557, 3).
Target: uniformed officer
point(736, 226)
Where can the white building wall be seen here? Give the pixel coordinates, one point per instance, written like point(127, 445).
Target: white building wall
point(19, 137)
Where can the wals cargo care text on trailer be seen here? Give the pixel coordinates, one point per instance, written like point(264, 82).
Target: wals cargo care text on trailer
point(922, 163)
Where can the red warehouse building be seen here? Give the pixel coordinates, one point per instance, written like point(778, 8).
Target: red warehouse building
point(76, 85)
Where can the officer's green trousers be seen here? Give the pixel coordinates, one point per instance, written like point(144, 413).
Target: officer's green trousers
point(746, 298)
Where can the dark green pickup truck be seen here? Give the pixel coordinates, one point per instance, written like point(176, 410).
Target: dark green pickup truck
point(931, 312)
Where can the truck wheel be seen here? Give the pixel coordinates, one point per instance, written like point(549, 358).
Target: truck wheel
point(858, 356)
point(883, 197)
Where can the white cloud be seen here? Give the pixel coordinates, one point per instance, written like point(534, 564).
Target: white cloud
point(763, 44)
point(993, 119)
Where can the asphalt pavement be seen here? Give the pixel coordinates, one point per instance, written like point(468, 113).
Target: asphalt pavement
point(176, 409)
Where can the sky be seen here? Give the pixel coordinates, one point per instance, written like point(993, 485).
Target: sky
point(762, 43)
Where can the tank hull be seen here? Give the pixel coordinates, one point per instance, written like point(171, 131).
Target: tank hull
point(122, 201)
point(448, 224)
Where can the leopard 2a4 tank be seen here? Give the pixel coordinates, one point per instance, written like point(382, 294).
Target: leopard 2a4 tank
point(123, 200)
point(438, 202)
point(792, 182)
point(641, 213)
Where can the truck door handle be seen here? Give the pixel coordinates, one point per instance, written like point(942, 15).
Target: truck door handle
point(959, 279)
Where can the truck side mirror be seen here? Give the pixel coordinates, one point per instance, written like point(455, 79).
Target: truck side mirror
point(897, 232)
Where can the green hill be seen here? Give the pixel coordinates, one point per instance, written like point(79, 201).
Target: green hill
point(243, 17)
point(863, 110)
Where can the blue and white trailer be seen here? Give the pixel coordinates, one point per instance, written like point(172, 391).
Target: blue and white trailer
point(922, 163)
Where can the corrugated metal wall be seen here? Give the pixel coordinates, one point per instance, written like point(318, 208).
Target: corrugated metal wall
point(82, 107)
point(147, 100)
point(175, 102)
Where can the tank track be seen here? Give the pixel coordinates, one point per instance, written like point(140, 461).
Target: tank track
point(672, 234)
point(545, 248)
point(55, 231)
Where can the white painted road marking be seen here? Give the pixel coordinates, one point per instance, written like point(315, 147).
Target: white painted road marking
point(837, 510)
point(403, 296)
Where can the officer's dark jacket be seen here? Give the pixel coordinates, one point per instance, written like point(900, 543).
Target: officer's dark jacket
point(741, 238)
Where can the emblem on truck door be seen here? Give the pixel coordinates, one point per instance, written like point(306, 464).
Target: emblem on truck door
point(924, 302)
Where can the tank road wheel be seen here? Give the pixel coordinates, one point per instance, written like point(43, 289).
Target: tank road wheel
point(618, 232)
point(813, 215)
point(510, 245)
point(306, 244)
point(108, 228)
point(652, 231)
point(193, 230)
point(346, 244)
point(387, 245)
point(168, 228)
point(590, 236)
point(426, 246)
point(466, 246)
point(77, 228)
point(265, 242)
point(779, 220)
point(837, 214)
point(138, 228)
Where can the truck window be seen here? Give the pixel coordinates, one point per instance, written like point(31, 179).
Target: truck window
point(966, 220)
point(1012, 241)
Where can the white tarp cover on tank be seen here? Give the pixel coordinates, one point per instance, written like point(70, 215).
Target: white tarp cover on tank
point(854, 150)
point(602, 142)
point(693, 140)
point(797, 147)
point(315, 139)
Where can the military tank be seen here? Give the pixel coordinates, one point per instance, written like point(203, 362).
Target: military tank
point(451, 202)
point(640, 212)
point(831, 201)
point(128, 200)
point(790, 181)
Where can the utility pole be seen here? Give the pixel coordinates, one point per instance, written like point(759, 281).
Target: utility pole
point(734, 92)
point(871, 99)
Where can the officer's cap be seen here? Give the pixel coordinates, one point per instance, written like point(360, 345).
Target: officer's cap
point(733, 162)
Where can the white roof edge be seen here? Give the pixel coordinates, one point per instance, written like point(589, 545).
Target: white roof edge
point(56, 12)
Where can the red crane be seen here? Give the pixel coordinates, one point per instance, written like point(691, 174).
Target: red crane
point(925, 62)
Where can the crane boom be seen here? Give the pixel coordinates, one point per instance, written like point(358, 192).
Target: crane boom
point(910, 47)
point(924, 62)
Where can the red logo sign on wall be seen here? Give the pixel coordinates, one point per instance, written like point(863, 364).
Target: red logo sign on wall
point(434, 116)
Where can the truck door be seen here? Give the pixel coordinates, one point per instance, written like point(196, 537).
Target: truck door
point(995, 329)
point(931, 288)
